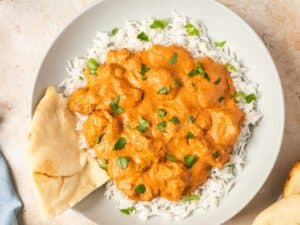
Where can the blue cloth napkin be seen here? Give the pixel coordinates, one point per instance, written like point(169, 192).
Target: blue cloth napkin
point(9, 200)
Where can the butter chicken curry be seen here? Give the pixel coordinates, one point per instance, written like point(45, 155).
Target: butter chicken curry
point(158, 119)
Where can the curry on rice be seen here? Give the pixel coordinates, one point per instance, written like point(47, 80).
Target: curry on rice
point(158, 119)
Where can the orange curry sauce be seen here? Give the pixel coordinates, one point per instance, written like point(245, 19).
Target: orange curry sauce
point(158, 119)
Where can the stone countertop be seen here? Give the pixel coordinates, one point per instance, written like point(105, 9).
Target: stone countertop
point(27, 27)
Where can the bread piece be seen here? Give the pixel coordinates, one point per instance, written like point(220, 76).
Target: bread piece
point(292, 184)
point(283, 212)
point(62, 173)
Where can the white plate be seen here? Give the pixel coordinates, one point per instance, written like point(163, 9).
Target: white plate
point(222, 24)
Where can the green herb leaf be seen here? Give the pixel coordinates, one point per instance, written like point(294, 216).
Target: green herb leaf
point(140, 189)
point(171, 157)
point(127, 126)
point(161, 112)
point(81, 77)
point(175, 120)
point(230, 67)
point(191, 119)
point(238, 96)
point(144, 70)
point(161, 125)
point(216, 82)
point(199, 71)
point(114, 31)
point(192, 197)
point(250, 98)
point(143, 37)
point(121, 142)
point(189, 161)
point(128, 210)
point(164, 91)
point(92, 64)
point(221, 98)
point(191, 30)
point(143, 124)
point(102, 163)
point(178, 83)
point(173, 59)
point(161, 24)
point(189, 135)
point(216, 154)
point(220, 44)
point(123, 162)
point(114, 105)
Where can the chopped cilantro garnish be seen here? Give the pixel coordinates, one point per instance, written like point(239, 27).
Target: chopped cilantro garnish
point(171, 157)
point(164, 90)
point(175, 120)
point(250, 98)
point(114, 31)
point(122, 162)
point(92, 64)
point(240, 95)
point(140, 189)
point(143, 37)
point(191, 119)
point(220, 44)
point(199, 71)
point(128, 210)
point(161, 112)
point(178, 83)
point(161, 125)
point(144, 70)
point(161, 24)
point(114, 105)
point(143, 124)
point(189, 135)
point(192, 30)
point(102, 163)
point(192, 197)
point(173, 59)
point(120, 143)
point(189, 161)
point(230, 67)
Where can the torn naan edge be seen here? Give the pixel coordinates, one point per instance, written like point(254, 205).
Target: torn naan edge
point(292, 184)
point(62, 173)
point(283, 212)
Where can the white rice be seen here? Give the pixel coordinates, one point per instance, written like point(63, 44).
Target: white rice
point(221, 180)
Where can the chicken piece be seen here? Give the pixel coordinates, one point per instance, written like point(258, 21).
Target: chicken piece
point(83, 100)
point(225, 126)
point(117, 56)
point(101, 127)
point(172, 179)
point(159, 56)
point(214, 155)
point(160, 84)
point(103, 72)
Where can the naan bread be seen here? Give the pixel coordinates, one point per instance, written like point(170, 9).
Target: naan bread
point(292, 184)
point(62, 173)
point(284, 212)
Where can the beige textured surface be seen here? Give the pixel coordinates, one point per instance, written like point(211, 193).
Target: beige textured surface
point(27, 28)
